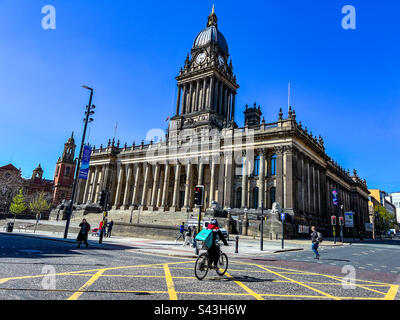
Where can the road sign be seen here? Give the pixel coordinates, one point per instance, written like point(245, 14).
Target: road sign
point(349, 219)
point(283, 215)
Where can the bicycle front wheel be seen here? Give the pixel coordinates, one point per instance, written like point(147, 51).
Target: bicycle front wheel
point(222, 264)
point(201, 267)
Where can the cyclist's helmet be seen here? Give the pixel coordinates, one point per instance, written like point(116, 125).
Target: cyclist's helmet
point(214, 222)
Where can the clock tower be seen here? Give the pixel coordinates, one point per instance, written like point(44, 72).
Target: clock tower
point(206, 84)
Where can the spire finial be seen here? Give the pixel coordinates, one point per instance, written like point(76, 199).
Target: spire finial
point(212, 18)
point(213, 9)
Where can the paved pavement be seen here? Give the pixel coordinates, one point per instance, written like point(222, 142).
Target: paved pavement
point(123, 268)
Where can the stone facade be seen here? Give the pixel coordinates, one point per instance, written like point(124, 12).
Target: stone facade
point(250, 167)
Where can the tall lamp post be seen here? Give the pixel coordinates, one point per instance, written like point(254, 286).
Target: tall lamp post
point(262, 227)
point(88, 113)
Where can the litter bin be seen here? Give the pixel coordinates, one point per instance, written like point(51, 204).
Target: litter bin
point(10, 226)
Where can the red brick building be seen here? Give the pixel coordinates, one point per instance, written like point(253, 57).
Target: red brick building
point(64, 175)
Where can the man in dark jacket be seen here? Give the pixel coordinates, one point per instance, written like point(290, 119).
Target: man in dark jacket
point(213, 251)
point(83, 233)
point(315, 241)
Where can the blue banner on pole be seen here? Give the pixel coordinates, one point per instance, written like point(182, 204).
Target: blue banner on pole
point(84, 170)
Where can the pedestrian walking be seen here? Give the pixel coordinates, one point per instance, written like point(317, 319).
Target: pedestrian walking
point(181, 232)
point(316, 239)
point(194, 233)
point(109, 228)
point(100, 227)
point(188, 237)
point(83, 233)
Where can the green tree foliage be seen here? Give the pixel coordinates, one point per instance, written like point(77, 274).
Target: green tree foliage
point(39, 204)
point(387, 220)
point(18, 204)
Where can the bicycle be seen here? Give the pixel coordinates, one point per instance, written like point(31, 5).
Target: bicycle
point(204, 263)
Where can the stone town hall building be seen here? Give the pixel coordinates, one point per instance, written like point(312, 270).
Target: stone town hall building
point(240, 167)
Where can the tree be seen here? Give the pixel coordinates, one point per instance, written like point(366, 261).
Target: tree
point(38, 205)
point(10, 184)
point(387, 220)
point(18, 204)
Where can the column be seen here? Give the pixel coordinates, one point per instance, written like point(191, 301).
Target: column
point(225, 103)
point(228, 182)
point(201, 173)
point(128, 187)
point(178, 101)
point(190, 103)
point(119, 187)
point(197, 106)
point(184, 99)
point(228, 107)
point(187, 187)
point(203, 100)
point(211, 95)
point(87, 186)
point(233, 106)
point(146, 168)
point(290, 178)
point(220, 98)
point(244, 183)
point(155, 188)
point(135, 200)
point(261, 179)
point(160, 188)
point(164, 198)
point(175, 198)
point(94, 184)
point(279, 176)
point(212, 183)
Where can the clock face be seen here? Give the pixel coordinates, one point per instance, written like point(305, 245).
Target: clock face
point(221, 60)
point(200, 58)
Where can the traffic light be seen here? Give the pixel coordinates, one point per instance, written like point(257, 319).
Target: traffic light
point(104, 197)
point(333, 220)
point(198, 195)
point(341, 221)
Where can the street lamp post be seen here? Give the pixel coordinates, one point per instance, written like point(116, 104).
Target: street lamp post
point(87, 119)
point(262, 227)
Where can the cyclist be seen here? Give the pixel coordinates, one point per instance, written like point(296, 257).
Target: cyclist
point(213, 250)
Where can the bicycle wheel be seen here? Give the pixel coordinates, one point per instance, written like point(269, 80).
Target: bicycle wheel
point(222, 264)
point(201, 267)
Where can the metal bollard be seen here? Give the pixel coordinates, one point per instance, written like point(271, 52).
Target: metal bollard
point(237, 245)
point(270, 236)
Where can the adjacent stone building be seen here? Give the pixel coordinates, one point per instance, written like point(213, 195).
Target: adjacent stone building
point(249, 167)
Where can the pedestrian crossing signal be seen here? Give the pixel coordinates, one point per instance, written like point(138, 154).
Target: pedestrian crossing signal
point(333, 220)
point(341, 221)
point(198, 195)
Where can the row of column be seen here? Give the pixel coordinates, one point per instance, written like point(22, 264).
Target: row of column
point(149, 186)
point(208, 93)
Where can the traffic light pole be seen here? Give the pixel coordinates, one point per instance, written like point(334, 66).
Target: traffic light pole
point(262, 227)
point(104, 217)
point(74, 187)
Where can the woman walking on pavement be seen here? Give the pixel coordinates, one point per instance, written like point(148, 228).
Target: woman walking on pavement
point(83, 233)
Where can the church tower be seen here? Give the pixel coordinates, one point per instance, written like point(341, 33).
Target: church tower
point(206, 84)
point(64, 175)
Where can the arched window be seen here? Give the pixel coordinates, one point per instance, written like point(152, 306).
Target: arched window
point(256, 170)
point(273, 165)
point(272, 196)
point(255, 198)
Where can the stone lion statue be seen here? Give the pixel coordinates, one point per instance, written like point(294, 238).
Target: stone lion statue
point(276, 209)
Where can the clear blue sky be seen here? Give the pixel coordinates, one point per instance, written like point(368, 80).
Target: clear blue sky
point(345, 82)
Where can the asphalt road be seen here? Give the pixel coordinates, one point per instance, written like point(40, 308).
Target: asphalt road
point(38, 269)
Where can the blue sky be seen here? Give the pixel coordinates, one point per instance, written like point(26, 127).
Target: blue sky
point(345, 83)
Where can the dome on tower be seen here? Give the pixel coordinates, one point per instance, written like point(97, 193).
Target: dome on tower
point(211, 34)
